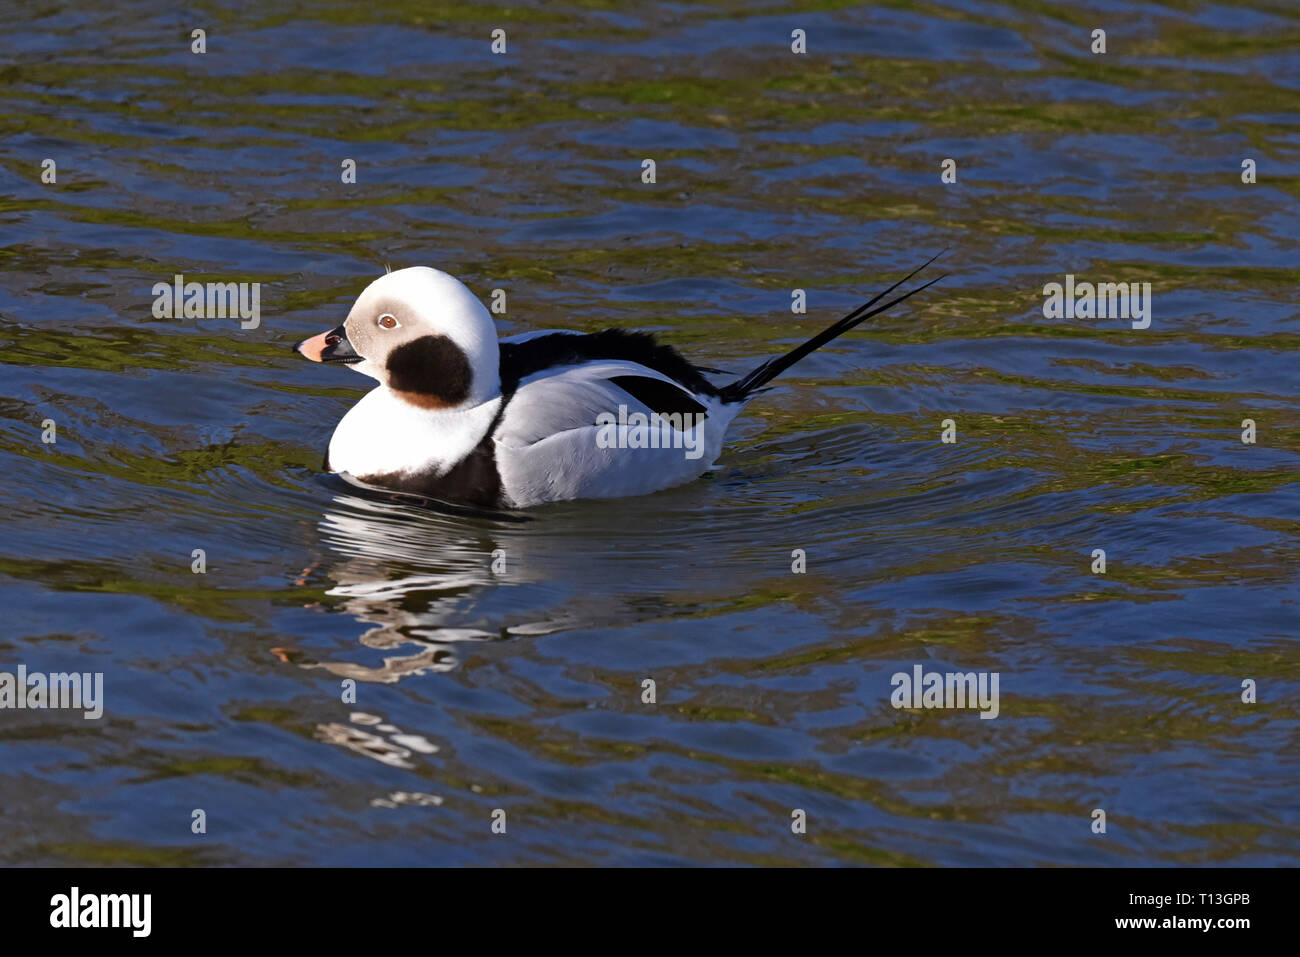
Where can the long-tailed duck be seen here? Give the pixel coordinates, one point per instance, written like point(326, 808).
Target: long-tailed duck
point(546, 416)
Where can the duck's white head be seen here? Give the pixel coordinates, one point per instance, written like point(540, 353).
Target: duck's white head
point(422, 334)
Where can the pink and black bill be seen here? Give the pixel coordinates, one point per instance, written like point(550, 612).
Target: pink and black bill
point(332, 346)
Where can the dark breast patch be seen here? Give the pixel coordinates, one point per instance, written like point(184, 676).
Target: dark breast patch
point(474, 480)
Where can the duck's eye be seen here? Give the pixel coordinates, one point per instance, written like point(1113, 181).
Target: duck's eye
point(388, 321)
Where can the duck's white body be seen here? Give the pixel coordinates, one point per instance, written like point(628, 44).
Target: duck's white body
point(382, 433)
point(511, 423)
point(547, 445)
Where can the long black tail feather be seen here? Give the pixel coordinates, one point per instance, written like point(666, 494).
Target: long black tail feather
point(743, 388)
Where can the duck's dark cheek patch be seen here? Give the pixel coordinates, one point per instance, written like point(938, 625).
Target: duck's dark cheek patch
point(430, 372)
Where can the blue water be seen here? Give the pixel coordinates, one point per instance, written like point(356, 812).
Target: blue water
point(520, 689)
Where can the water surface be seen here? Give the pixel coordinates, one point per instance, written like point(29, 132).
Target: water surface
point(521, 688)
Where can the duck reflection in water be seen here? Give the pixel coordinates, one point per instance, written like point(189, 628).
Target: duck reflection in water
point(414, 572)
